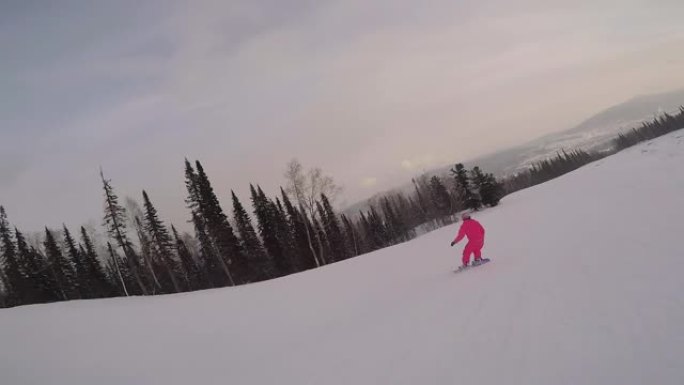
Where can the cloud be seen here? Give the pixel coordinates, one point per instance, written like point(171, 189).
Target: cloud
point(407, 165)
point(421, 162)
point(369, 181)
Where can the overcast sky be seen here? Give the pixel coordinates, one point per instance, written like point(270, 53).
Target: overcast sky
point(371, 91)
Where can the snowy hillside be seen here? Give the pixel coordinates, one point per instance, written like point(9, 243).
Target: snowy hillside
point(586, 287)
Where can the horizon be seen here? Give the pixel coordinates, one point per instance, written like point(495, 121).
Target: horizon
point(372, 96)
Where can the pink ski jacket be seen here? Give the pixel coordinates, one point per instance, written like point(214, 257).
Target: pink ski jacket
point(473, 230)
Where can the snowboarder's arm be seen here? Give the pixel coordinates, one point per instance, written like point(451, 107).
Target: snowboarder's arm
point(461, 234)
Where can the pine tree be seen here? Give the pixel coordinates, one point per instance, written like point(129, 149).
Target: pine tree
point(305, 257)
point(264, 213)
point(60, 268)
point(490, 190)
point(392, 223)
point(27, 288)
point(279, 206)
point(81, 284)
point(12, 277)
point(369, 242)
point(209, 260)
point(378, 228)
point(115, 223)
point(150, 268)
point(333, 231)
point(40, 287)
point(192, 274)
point(279, 234)
point(421, 203)
point(415, 213)
point(396, 227)
point(226, 245)
point(99, 281)
point(162, 244)
point(464, 188)
point(441, 200)
point(351, 236)
point(283, 234)
point(259, 264)
point(191, 185)
point(405, 216)
point(476, 180)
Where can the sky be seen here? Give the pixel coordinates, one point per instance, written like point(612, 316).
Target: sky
point(371, 92)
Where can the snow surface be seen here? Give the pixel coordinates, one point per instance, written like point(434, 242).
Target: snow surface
point(586, 287)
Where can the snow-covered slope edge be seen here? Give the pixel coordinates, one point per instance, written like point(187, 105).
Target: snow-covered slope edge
point(586, 288)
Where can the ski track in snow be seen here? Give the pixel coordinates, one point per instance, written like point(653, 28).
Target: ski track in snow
point(585, 287)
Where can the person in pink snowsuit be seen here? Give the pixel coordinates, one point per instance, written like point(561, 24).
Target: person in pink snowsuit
point(476, 233)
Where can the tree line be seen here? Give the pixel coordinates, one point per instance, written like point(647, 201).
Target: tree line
point(296, 230)
point(650, 130)
point(547, 169)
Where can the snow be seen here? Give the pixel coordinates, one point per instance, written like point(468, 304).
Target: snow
point(585, 287)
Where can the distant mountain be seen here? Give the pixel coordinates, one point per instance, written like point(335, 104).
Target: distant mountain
point(634, 110)
point(595, 134)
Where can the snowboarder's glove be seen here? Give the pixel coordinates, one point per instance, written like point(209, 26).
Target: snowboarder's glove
point(452, 244)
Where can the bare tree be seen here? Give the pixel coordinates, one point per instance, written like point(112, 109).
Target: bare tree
point(296, 181)
point(306, 188)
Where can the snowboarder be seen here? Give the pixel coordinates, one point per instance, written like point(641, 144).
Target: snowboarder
point(476, 233)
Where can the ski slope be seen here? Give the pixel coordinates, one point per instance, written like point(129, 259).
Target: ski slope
point(586, 287)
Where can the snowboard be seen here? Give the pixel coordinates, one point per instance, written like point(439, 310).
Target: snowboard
point(472, 265)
